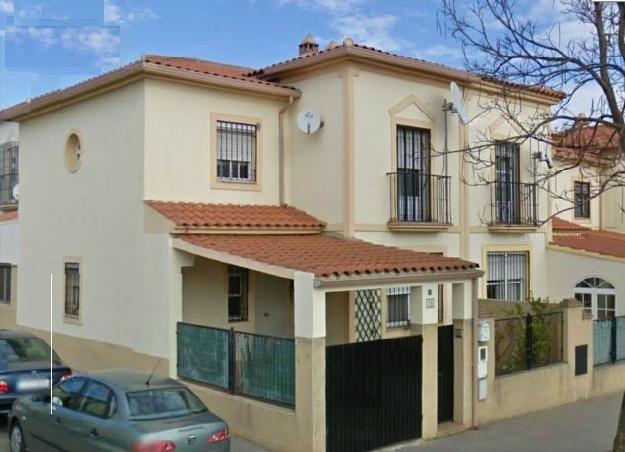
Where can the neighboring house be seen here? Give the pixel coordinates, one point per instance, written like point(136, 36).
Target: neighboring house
point(158, 197)
point(590, 224)
point(9, 233)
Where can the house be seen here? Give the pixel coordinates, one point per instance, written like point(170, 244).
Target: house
point(9, 234)
point(590, 222)
point(186, 223)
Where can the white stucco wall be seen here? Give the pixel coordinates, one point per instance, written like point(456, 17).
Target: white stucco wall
point(9, 242)
point(568, 269)
point(179, 142)
point(95, 214)
point(9, 131)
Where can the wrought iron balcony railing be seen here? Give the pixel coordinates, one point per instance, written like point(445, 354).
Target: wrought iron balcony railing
point(513, 203)
point(417, 197)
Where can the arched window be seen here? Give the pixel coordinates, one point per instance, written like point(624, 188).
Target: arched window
point(598, 297)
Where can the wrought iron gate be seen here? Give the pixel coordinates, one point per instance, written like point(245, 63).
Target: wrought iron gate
point(373, 393)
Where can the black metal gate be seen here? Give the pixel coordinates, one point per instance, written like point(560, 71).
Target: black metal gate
point(373, 393)
point(445, 373)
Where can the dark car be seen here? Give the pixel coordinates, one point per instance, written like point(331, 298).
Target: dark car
point(116, 411)
point(25, 367)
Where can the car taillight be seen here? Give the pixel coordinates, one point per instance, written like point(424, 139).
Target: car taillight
point(66, 375)
point(219, 436)
point(4, 387)
point(155, 446)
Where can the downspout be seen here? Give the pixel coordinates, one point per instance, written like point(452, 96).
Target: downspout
point(475, 309)
point(281, 183)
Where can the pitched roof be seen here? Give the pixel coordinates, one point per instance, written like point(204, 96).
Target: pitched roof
point(327, 256)
point(354, 49)
point(231, 216)
point(560, 225)
point(8, 215)
point(191, 69)
point(601, 242)
point(592, 143)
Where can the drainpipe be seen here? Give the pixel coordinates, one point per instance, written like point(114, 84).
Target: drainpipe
point(475, 309)
point(281, 195)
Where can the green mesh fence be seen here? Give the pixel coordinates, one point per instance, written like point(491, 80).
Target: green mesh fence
point(265, 367)
point(602, 342)
point(203, 354)
point(620, 338)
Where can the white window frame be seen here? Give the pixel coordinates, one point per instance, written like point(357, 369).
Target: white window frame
point(525, 293)
point(233, 162)
point(594, 292)
point(394, 291)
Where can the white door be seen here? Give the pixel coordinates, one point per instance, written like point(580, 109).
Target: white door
point(598, 297)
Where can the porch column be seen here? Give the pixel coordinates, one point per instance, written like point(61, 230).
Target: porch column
point(179, 260)
point(463, 341)
point(310, 343)
point(424, 308)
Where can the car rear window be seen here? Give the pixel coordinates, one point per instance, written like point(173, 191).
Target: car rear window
point(163, 403)
point(24, 349)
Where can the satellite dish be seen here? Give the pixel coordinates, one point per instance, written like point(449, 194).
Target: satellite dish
point(309, 121)
point(458, 102)
point(16, 192)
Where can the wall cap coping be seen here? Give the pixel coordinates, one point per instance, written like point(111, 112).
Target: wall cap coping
point(571, 303)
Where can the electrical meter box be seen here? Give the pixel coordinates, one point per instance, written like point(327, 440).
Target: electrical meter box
point(483, 331)
point(482, 361)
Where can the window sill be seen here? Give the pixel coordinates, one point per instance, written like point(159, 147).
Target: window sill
point(9, 206)
point(236, 185)
point(413, 226)
point(238, 320)
point(512, 228)
point(398, 326)
point(72, 319)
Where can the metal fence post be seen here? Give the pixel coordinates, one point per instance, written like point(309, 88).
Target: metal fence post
point(528, 337)
point(232, 362)
point(613, 336)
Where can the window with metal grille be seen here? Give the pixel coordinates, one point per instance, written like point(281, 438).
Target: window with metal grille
point(582, 199)
point(8, 172)
point(237, 293)
point(413, 178)
point(5, 283)
point(507, 177)
point(398, 306)
point(507, 275)
point(72, 289)
point(236, 152)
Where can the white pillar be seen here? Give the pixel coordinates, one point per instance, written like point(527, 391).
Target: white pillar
point(310, 307)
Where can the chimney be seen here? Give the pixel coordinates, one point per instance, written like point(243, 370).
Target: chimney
point(308, 46)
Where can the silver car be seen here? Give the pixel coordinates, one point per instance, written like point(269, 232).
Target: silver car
point(116, 411)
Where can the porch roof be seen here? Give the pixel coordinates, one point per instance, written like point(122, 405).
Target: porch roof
point(601, 243)
point(327, 256)
point(190, 216)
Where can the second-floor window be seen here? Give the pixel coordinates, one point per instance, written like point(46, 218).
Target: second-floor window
point(507, 187)
point(413, 178)
point(8, 173)
point(582, 199)
point(236, 152)
point(507, 277)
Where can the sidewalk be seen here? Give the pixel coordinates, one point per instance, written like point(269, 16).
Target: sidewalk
point(586, 426)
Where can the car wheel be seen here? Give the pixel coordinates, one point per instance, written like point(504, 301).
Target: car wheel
point(17, 438)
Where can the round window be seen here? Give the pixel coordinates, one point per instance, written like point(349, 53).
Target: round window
point(73, 153)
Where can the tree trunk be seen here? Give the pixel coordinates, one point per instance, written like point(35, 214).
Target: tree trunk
point(619, 440)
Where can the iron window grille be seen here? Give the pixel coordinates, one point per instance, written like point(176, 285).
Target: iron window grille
point(582, 199)
point(237, 293)
point(72, 289)
point(512, 201)
point(398, 302)
point(5, 283)
point(236, 152)
point(507, 276)
point(8, 172)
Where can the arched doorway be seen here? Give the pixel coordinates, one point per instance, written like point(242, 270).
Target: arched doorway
point(598, 297)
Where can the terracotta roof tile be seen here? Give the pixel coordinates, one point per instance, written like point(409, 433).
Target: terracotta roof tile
point(8, 215)
point(327, 256)
point(593, 143)
point(203, 215)
point(606, 243)
point(560, 225)
point(545, 90)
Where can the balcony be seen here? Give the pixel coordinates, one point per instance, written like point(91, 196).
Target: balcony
point(514, 206)
point(419, 201)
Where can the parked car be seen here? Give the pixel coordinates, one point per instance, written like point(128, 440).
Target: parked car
point(116, 411)
point(25, 367)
